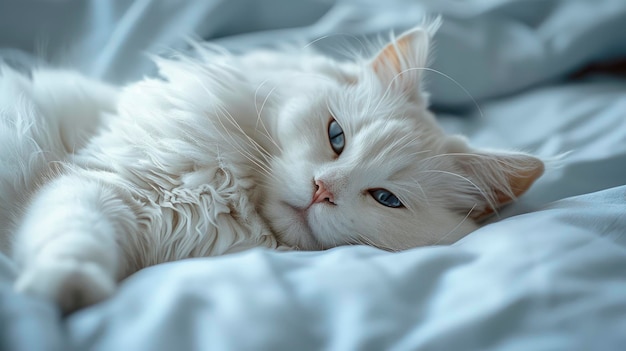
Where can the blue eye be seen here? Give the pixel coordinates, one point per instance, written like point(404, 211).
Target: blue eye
point(335, 135)
point(386, 198)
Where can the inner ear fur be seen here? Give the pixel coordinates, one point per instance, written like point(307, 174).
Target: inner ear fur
point(501, 176)
point(401, 62)
point(505, 177)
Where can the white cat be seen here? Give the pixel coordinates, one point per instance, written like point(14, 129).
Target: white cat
point(224, 153)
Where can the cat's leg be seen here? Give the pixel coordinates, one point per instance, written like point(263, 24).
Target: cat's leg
point(44, 118)
point(68, 245)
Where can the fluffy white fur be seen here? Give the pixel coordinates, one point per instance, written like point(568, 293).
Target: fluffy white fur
point(221, 153)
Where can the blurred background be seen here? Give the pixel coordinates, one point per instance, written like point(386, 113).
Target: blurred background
point(489, 47)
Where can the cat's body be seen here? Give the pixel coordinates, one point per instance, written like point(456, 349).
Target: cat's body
point(231, 152)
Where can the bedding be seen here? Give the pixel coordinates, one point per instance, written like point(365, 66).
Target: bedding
point(548, 273)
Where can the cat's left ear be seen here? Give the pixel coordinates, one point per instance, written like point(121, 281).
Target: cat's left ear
point(400, 64)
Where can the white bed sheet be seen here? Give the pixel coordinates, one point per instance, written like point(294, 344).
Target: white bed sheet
point(523, 290)
point(547, 276)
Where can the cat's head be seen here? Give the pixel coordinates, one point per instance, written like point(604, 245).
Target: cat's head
point(363, 160)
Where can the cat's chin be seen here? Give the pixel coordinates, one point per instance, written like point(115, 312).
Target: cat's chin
point(291, 225)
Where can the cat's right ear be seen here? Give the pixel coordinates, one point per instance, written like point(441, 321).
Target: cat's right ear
point(493, 179)
point(401, 63)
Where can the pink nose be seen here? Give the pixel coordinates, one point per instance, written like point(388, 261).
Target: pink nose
point(322, 194)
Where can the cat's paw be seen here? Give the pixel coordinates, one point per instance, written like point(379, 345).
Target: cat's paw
point(70, 283)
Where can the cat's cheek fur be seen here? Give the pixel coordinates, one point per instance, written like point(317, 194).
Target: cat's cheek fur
point(286, 195)
point(393, 229)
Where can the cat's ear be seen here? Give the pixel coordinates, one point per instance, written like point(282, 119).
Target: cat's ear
point(494, 178)
point(400, 64)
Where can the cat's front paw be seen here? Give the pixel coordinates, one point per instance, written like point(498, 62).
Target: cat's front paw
point(70, 283)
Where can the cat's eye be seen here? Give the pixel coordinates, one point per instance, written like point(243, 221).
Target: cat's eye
point(336, 137)
point(386, 198)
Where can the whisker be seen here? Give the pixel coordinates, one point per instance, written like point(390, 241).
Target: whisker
point(333, 35)
point(364, 240)
point(260, 111)
point(481, 191)
point(233, 121)
point(457, 226)
point(480, 111)
point(459, 154)
point(239, 149)
point(259, 148)
point(421, 189)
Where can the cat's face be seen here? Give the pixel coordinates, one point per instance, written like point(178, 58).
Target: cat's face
point(363, 161)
